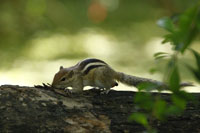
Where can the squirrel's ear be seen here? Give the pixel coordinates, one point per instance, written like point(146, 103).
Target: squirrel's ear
point(61, 67)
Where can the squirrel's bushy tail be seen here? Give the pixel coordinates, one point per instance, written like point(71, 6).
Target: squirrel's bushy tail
point(134, 81)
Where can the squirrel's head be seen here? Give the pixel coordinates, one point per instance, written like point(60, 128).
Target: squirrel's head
point(63, 78)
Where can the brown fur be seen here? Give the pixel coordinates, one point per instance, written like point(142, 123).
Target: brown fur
point(99, 75)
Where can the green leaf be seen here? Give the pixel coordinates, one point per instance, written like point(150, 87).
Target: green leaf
point(188, 27)
point(174, 79)
point(168, 38)
point(144, 100)
point(179, 102)
point(197, 57)
point(153, 70)
point(147, 86)
point(195, 72)
point(198, 26)
point(173, 110)
point(166, 23)
point(188, 17)
point(188, 39)
point(186, 30)
point(185, 95)
point(159, 109)
point(140, 118)
point(160, 55)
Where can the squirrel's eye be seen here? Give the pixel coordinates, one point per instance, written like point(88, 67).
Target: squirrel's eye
point(63, 79)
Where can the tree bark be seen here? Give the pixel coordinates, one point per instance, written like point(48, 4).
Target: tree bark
point(40, 110)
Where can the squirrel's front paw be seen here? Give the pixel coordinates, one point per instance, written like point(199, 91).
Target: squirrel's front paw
point(105, 91)
point(73, 91)
point(68, 91)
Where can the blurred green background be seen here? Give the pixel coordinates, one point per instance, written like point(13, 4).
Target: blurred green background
point(37, 36)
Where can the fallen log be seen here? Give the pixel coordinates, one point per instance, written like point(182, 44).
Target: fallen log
point(40, 110)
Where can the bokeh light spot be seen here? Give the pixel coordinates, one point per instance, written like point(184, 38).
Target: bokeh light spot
point(97, 12)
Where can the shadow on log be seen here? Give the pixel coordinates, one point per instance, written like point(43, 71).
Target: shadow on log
point(36, 110)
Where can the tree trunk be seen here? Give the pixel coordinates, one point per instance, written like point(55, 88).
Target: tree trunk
point(39, 110)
